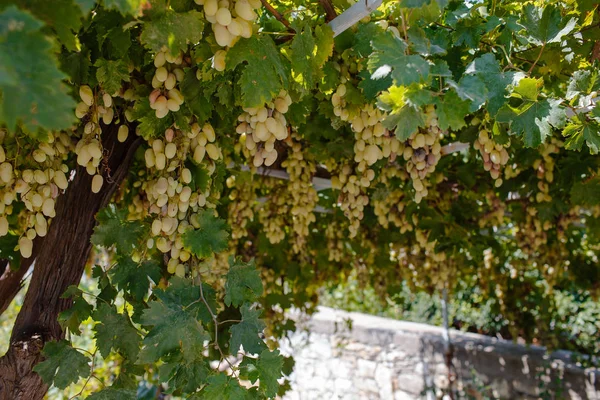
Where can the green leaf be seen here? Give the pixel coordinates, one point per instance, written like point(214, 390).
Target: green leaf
point(77, 66)
point(114, 394)
point(243, 283)
point(246, 332)
point(586, 193)
point(472, 88)
point(304, 70)
point(134, 278)
point(451, 111)
point(389, 57)
point(372, 87)
point(579, 131)
point(110, 74)
point(173, 31)
point(267, 369)
point(193, 93)
point(29, 76)
point(324, 45)
point(77, 313)
point(64, 16)
point(222, 387)
point(113, 229)
point(184, 377)
point(264, 75)
point(545, 25)
point(487, 69)
point(174, 318)
point(406, 121)
point(210, 238)
point(85, 6)
point(114, 331)
point(582, 82)
point(62, 365)
point(7, 249)
point(149, 125)
point(534, 118)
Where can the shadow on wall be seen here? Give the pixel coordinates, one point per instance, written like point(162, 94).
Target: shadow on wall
point(381, 358)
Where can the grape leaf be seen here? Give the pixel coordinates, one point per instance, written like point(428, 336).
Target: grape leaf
point(29, 76)
point(582, 82)
point(113, 394)
point(210, 238)
point(111, 73)
point(372, 87)
point(114, 331)
point(586, 193)
point(487, 69)
point(545, 25)
point(77, 313)
point(7, 249)
point(132, 277)
point(389, 57)
point(246, 332)
point(174, 318)
point(535, 117)
point(77, 66)
point(114, 229)
point(193, 92)
point(472, 88)
point(64, 16)
point(173, 31)
point(62, 365)
point(579, 131)
point(406, 121)
point(243, 283)
point(304, 70)
point(85, 5)
point(124, 6)
point(264, 75)
point(451, 111)
point(149, 125)
point(221, 387)
point(267, 368)
point(324, 45)
point(182, 376)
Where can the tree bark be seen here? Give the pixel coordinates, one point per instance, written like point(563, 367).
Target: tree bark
point(60, 263)
point(11, 280)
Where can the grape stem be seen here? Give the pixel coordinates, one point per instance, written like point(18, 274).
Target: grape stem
point(277, 15)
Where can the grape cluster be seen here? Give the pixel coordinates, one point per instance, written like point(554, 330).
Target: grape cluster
point(353, 197)
point(544, 169)
point(303, 195)
point(494, 155)
point(389, 207)
point(261, 127)
point(230, 19)
point(37, 187)
point(166, 97)
point(422, 153)
point(240, 209)
point(334, 232)
point(495, 215)
point(89, 150)
point(165, 191)
point(272, 214)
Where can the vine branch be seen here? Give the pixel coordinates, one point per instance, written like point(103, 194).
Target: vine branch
point(277, 15)
point(329, 10)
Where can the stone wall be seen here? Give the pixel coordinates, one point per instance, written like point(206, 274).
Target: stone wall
point(379, 358)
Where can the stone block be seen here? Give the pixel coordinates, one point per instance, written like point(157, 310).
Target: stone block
point(400, 395)
point(411, 383)
point(366, 368)
point(383, 377)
